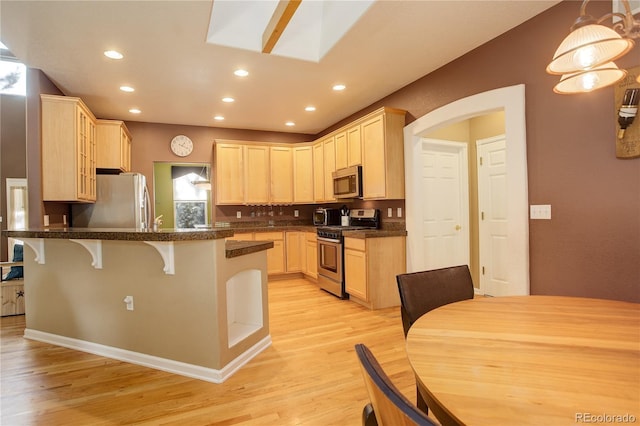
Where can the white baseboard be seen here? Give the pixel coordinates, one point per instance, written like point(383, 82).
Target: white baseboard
point(164, 364)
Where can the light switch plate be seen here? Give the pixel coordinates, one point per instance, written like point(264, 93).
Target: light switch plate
point(238, 214)
point(540, 211)
point(389, 212)
point(296, 213)
point(399, 211)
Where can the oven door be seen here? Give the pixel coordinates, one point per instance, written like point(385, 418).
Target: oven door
point(330, 258)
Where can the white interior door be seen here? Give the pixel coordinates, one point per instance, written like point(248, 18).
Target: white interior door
point(17, 211)
point(493, 216)
point(444, 203)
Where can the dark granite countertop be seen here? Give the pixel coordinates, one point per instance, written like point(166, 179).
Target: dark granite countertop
point(124, 234)
point(240, 248)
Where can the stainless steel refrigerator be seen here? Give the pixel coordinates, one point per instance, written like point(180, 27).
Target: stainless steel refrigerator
point(122, 201)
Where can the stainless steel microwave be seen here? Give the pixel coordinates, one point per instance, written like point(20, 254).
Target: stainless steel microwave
point(347, 183)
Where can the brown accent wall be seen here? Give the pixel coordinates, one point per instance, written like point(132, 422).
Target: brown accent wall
point(12, 153)
point(591, 246)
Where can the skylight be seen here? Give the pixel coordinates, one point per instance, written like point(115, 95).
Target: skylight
point(13, 79)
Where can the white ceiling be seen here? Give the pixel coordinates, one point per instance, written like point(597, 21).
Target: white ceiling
point(180, 78)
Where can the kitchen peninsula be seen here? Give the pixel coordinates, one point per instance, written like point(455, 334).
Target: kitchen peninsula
point(184, 301)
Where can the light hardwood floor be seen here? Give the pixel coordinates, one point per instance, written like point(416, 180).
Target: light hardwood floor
point(309, 376)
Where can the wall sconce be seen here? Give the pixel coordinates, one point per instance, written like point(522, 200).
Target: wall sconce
point(585, 57)
point(628, 110)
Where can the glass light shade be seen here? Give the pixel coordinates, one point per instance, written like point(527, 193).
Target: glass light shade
point(589, 80)
point(205, 185)
point(588, 47)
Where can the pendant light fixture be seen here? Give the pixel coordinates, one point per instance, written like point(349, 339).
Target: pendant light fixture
point(203, 184)
point(585, 57)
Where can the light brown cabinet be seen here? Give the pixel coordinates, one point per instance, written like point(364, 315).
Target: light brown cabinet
point(113, 145)
point(275, 255)
point(281, 175)
point(311, 246)
point(12, 297)
point(348, 147)
point(229, 183)
point(371, 266)
point(68, 150)
point(303, 174)
point(256, 174)
point(318, 172)
point(329, 158)
point(295, 253)
point(383, 155)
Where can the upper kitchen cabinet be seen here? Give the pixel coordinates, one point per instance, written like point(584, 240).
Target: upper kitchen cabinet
point(281, 175)
point(229, 173)
point(329, 154)
point(303, 174)
point(113, 145)
point(318, 172)
point(256, 174)
point(383, 154)
point(348, 147)
point(68, 150)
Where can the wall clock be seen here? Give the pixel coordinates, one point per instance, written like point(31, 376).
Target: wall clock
point(181, 145)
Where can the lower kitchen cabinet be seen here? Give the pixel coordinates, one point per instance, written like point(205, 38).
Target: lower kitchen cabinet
point(371, 266)
point(294, 248)
point(311, 246)
point(12, 297)
point(275, 255)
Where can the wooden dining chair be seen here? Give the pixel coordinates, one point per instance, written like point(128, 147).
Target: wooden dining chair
point(390, 406)
point(421, 292)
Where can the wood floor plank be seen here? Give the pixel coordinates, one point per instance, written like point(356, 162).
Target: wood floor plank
point(309, 376)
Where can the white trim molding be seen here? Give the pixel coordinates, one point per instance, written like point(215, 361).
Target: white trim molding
point(164, 364)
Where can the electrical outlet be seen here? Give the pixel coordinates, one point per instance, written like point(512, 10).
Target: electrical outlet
point(129, 301)
point(64, 219)
point(399, 211)
point(296, 213)
point(238, 214)
point(46, 220)
point(540, 211)
point(389, 212)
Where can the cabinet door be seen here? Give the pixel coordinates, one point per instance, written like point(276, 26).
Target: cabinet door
point(354, 146)
point(293, 247)
point(312, 258)
point(275, 255)
point(245, 236)
point(256, 174)
point(355, 273)
point(373, 158)
point(281, 175)
point(329, 167)
point(303, 174)
point(341, 151)
point(318, 172)
point(86, 171)
point(113, 145)
point(229, 174)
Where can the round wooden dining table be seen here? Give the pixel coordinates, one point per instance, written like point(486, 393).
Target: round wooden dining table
point(542, 360)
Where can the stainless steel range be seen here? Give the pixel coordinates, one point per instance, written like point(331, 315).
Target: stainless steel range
point(331, 253)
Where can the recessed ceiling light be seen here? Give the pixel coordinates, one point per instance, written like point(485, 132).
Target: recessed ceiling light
point(228, 100)
point(127, 88)
point(135, 111)
point(112, 54)
point(339, 87)
point(290, 123)
point(241, 73)
point(310, 108)
point(218, 118)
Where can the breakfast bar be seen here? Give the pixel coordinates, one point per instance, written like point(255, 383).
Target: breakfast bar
point(184, 301)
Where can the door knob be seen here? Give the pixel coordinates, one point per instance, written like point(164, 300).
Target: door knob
point(458, 227)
